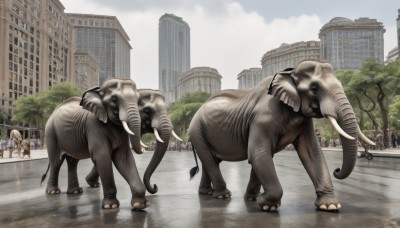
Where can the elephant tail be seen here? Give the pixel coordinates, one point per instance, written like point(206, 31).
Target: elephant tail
point(194, 170)
point(44, 175)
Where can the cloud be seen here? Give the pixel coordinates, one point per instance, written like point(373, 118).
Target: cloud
point(226, 37)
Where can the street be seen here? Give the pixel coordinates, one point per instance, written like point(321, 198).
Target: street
point(370, 196)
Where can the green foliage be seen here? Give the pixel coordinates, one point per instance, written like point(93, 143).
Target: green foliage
point(37, 109)
point(182, 111)
point(3, 115)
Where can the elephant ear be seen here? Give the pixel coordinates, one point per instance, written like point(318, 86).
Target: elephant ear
point(283, 87)
point(91, 101)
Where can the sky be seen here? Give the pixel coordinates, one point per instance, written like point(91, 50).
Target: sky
point(230, 35)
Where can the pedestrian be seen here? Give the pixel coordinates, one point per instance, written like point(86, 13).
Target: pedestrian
point(394, 139)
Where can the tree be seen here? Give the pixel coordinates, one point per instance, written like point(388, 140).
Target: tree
point(182, 111)
point(35, 110)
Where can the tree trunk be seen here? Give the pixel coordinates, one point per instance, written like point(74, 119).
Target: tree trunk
point(384, 116)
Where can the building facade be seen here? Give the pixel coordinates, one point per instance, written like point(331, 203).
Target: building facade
point(199, 79)
point(86, 71)
point(346, 44)
point(105, 39)
point(398, 31)
point(173, 54)
point(249, 78)
point(289, 55)
point(393, 55)
point(36, 49)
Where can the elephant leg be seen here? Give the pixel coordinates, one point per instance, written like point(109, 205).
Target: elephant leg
point(211, 167)
point(253, 187)
point(126, 165)
point(102, 159)
point(205, 183)
point(73, 182)
point(55, 165)
point(260, 158)
point(93, 178)
point(315, 164)
point(19, 150)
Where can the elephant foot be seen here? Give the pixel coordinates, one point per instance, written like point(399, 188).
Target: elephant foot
point(267, 203)
point(74, 190)
point(327, 203)
point(110, 203)
point(251, 196)
point(139, 203)
point(222, 194)
point(53, 190)
point(93, 183)
point(206, 191)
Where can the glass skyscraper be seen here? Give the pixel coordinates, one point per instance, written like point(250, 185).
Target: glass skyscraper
point(346, 44)
point(174, 54)
point(105, 39)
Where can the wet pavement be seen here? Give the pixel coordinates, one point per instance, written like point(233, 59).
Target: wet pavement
point(370, 197)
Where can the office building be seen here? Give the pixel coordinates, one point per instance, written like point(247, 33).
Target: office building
point(174, 54)
point(86, 71)
point(199, 79)
point(398, 31)
point(104, 38)
point(289, 55)
point(346, 44)
point(249, 78)
point(36, 49)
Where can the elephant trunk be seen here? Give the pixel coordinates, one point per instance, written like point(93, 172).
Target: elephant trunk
point(347, 121)
point(129, 112)
point(164, 130)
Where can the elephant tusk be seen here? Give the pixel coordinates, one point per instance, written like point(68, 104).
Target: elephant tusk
point(127, 128)
point(363, 137)
point(157, 135)
point(338, 128)
point(176, 136)
point(143, 145)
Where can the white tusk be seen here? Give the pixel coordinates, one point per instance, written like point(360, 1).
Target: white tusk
point(142, 144)
point(127, 128)
point(157, 135)
point(365, 138)
point(174, 134)
point(338, 128)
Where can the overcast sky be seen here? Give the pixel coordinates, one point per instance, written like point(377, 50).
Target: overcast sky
point(230, 35)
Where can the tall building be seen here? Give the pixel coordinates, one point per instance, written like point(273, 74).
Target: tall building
point(174, 54)
point(346, 44)
point(398, 31)
point(36, 49)
point(105, 39)
point(289, 55)
point(249, 78)
point(86, 71)
point(199, 79)
point(392, 55)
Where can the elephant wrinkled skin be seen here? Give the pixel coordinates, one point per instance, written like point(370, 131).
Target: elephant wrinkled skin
point(154, 119)
point(98, 126)
point(255, 124)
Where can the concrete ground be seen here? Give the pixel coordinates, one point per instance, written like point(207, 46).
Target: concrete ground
point(370, 196)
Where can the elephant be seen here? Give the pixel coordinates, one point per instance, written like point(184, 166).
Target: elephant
point(26, 148)
point(255, 124)
point(15, 135)
point(102, 125)
point(154, 119)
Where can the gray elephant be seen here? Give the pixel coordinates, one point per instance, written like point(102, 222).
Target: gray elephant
point(15, 135)
point(154, 119)
point(98, 126)
point(255, 124)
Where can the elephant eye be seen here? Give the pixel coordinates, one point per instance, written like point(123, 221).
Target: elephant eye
point(314, 88)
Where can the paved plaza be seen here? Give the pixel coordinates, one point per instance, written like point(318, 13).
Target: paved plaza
point(370, 196)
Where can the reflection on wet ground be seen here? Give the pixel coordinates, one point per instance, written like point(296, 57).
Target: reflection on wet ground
point(369, 197)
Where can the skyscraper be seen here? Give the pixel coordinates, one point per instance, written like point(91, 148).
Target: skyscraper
point(346, 44)
point(36, 49)
point(398, 31)
point(105, 39)
point(174, 54)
